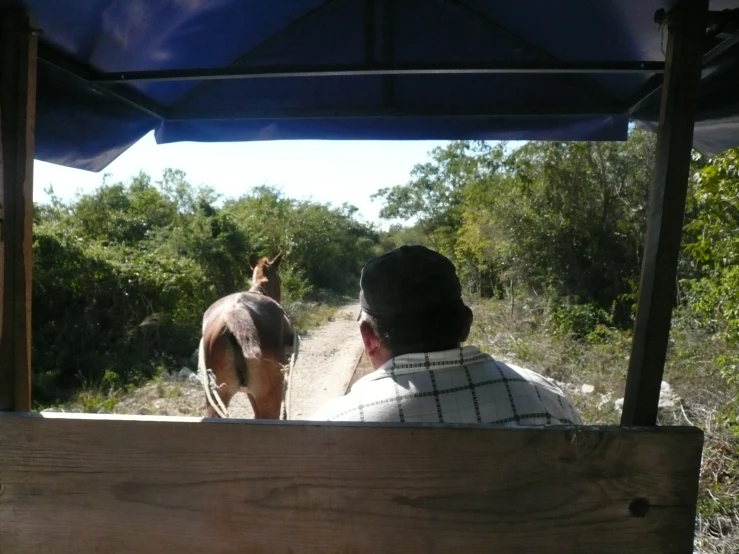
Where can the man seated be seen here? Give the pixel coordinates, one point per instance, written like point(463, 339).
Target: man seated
point(413, 323)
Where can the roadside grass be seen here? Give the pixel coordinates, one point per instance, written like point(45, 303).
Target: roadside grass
point(526, 335)
point(315, 310)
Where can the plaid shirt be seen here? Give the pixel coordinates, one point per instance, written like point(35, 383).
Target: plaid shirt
point(456, 386)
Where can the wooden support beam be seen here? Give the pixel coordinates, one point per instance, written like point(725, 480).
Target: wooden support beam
point(18, 57)
point(111, 484)
point(686, 30)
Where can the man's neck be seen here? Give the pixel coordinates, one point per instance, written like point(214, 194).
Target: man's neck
point(381, 358)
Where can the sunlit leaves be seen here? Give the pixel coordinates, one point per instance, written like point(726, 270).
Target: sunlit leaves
point(122, 275)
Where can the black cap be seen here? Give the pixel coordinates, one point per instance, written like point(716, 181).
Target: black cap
point(409, 279)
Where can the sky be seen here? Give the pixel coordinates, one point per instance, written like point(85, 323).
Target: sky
point(324, 171)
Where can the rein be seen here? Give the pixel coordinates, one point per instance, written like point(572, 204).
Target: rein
point(211, 386)
point(288, 378)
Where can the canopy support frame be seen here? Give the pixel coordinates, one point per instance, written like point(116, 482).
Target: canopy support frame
point(18, 60)
point(126, 95)
point(653, 85)
point(358, 70)
point(686, 32)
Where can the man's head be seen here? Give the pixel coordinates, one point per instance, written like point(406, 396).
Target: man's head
point(411, 301)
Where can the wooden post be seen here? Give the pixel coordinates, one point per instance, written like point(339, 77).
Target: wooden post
point(686, 30)
point(18, 48)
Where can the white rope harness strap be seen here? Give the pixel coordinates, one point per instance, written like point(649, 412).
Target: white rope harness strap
point(288, 377)
point(210, 384)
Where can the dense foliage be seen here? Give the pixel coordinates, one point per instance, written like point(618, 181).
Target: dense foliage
point(563, 216)
point(122, 275)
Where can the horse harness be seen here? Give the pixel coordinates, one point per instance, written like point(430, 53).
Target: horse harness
point(288, 377)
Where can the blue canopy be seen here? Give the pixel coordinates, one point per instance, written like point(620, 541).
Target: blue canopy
point(110, 71)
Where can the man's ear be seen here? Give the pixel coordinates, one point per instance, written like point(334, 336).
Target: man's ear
point(371, 343)
point(253, 261)
point(467, 325)
point(276, 262)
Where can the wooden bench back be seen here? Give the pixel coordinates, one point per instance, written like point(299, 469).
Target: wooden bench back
point(84, 484)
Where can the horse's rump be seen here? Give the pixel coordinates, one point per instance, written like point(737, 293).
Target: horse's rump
point(241, 327)
point(257, 322)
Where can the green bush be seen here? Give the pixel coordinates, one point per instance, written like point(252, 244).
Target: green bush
point(103, 308)
point(568, 317)
point(710, 265)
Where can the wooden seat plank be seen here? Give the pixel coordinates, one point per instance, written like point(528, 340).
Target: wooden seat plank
point(155, 485)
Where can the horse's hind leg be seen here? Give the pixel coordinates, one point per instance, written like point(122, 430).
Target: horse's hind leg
point(265, 389)
point(221, 360)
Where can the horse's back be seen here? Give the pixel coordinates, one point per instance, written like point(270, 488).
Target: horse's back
point(262, 305)
point(220, 306)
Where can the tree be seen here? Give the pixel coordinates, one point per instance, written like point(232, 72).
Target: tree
point(435, 194)
point(711, 244)
point(565, 216)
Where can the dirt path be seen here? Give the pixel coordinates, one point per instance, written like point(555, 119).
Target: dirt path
point(328, 356)
point(325, 365)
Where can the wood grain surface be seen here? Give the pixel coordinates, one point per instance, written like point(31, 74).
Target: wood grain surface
point(18, 60)
point(686, 29)
point(115, 485)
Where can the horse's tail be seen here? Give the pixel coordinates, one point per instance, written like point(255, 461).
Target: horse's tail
point(221, 363)
point(226, 340)
point(202, 367)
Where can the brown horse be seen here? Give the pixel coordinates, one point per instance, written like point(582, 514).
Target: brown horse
point(245, 343)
